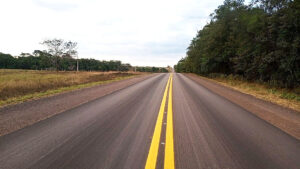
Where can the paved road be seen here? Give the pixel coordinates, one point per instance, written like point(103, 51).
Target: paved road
point(116, 131)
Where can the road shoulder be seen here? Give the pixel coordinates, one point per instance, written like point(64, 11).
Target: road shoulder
point(286, 119)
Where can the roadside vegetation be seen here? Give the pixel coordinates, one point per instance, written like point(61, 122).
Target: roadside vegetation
point(254, 48)
point(57, 69)
point(21, 85)
point(259, 41)
point(40, 60)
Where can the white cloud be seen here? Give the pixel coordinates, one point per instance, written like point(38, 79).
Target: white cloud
point(140, 32)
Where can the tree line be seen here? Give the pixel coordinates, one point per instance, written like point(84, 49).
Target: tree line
point(61, 56)
point(151, 69)
point(259, 42)
point(41, 60)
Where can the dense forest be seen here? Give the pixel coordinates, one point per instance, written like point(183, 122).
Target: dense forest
point(259, 41)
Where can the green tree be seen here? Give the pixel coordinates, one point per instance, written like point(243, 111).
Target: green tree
point(259, 41)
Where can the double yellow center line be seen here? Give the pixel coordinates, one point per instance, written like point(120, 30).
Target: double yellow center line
point(169, 146)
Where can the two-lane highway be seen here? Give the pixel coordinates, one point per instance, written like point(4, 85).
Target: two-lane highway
point(159, 122)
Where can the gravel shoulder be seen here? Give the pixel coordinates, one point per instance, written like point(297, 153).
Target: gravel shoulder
point(18, 116)
point(286, 119)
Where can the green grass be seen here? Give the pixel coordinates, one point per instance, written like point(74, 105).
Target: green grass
point(21, 85)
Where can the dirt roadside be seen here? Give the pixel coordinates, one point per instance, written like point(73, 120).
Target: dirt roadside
point(286, 119)
point(18, 116)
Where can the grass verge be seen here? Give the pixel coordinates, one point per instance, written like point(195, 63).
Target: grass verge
point(17, 86)
point(289, 98)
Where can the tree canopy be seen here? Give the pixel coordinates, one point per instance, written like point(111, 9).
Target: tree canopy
point(259, 41)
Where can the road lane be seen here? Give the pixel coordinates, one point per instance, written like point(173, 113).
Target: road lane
point(110, 132)
point(212, 132)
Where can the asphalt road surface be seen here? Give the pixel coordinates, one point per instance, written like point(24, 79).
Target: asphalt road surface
point(163, 122)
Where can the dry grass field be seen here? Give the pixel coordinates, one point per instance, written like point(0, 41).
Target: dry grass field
point(286, 97)
point(20, 85)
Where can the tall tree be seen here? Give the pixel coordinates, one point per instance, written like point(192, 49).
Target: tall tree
point(59, 48)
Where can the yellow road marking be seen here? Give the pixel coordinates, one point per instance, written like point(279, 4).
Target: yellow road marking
point(153, 151)
point(169, 149)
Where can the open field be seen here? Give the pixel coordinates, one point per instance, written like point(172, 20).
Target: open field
point(289, 98)
point(21, 85)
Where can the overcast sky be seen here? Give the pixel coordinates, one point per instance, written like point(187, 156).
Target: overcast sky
point(139, 32)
